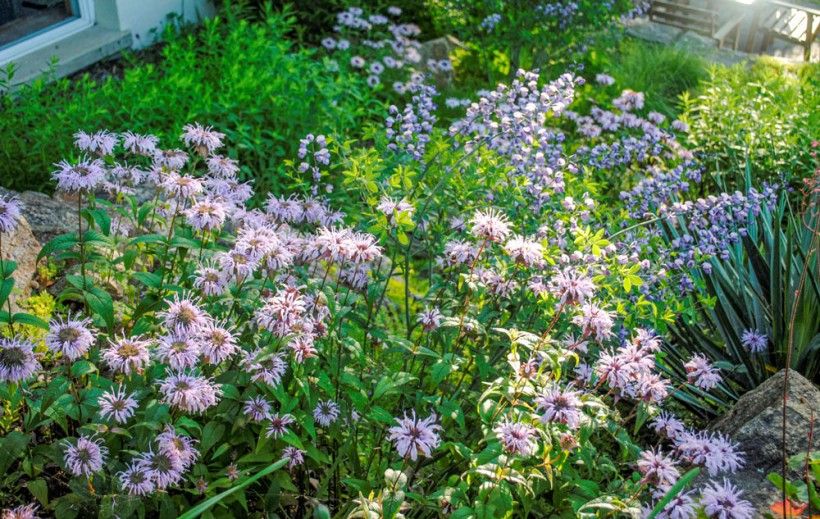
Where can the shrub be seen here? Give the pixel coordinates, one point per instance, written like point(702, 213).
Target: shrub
point(765, 115)
point(243, 76)
point(481, 349)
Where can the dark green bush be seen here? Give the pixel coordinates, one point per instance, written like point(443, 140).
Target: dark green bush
point(243, 77)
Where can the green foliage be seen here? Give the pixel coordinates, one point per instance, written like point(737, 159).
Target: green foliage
point(768, 284)
point(662, 72)
point(765, 113)
point(244, 77)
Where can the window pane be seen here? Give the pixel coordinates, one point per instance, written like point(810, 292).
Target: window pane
point(21, 19)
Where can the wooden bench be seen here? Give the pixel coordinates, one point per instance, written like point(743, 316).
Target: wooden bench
point(704, 20)
point(797, 24)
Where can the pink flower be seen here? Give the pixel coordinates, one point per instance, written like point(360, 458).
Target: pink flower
point(490, 225)
point(413, 436)
point(517, 438)
point(203, 139)
point(117, 405)
point(560, 407)
point(86, 457)
point(83, 176)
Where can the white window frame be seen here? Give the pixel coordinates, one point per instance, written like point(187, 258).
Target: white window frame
point(62, 30)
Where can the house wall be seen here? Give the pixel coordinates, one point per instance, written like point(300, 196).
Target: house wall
point(145, 18)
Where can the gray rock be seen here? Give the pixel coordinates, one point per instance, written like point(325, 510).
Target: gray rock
point(439, 49)
point(755, 422)
point(47, 216)
point(21, 247)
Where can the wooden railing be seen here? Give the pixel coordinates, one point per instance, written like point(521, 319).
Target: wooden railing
point(797, 24)
point(709, 19)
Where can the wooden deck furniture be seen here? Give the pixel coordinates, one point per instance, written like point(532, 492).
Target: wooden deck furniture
point(797, 24)
point(706, 19)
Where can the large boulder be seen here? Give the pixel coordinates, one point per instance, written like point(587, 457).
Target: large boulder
point(21, 247)
point(756, 423)
point(47, 216)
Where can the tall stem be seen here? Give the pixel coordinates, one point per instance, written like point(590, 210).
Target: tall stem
point(80, 237)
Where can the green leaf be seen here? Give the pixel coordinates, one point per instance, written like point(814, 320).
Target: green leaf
point(31, 320)
point(6, 287)
point(82, 367)
point(208, 503)
point(101, 303)
point(148, 279)
point(147, 238)
point(39, 489)
point(60, 243)
point(211, 434)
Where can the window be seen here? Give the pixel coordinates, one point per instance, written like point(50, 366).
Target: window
point(27, 25)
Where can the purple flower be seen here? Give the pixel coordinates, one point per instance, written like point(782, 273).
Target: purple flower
point(117, 405)
point(211, 281)
point(303, 348)
point(71, 337)
point(17, 360)
point(667, 425)
point(101, 143)
point(713, 451)
point(172, 160)
point(571, 287)
point(10, 211)
point(525, 252)
point(754, 341)
point(701, 373)
point(86, 457)
point(266, 368)
point(162, 468)
point(430, 319)
point(605, 80)
point(294, 456)
point(136, 481)
point(127, 355)
point(594, 321)
point(517, 438)
point(178, 446)
point(682, 506)
point(408, 130)
point(257, 409)
point(657, 469)
point(28, 511)
point(189, 393)
point(181, 187)
point(413, 436)
point(281, 312)
point(629, 101)
point(144, 145)
point(183, 315)
point(724, 502)
point(202, 138)
point(326, 412)
point(222, 167)
point(278, 425)
point(179, 350)
point(206, 215)
point(216, 342)
point(490, 225)
point(559, 406)
point(83, 176)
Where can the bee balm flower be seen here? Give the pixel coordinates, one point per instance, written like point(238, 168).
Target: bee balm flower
point(413, 436)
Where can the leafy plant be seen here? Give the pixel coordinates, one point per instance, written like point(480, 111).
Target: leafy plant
point(768, 285)
point(243, 76)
